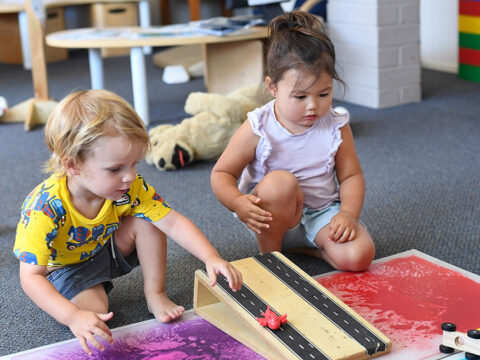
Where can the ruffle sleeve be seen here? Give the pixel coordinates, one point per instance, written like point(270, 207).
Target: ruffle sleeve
point(258, 126)
point(336, 120)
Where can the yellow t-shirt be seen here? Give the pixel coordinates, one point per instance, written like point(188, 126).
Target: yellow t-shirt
point(52, 232)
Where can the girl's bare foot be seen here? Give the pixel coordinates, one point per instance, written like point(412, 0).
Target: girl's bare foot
point(162, 307)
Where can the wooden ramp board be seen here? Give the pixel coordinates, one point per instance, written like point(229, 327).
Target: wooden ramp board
point(320, 326)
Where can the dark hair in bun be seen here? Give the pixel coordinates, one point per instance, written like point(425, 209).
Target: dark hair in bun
point(297, 40)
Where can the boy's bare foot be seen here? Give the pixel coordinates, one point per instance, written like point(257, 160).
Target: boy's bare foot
point(163, 308)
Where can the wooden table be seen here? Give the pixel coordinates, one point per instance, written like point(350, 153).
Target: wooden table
point(12, 6)
point(230, 61)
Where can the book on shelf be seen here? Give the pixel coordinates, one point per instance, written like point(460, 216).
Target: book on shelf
point(221, 26)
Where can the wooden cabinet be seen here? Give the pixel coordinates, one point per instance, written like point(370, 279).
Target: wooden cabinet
point(114, 14)
point(10, 43)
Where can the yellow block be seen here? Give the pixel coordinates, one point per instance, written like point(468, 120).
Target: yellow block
point(469, 24)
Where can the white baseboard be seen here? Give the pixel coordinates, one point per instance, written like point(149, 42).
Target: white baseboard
point(440, 66)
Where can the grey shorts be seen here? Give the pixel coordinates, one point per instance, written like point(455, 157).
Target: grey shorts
point(71, 280)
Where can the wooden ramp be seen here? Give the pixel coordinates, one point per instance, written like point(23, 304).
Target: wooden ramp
point(320, 326)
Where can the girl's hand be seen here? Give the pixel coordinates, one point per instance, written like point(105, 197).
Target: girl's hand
point(342, 227)
point(85, 325)
point(217, 266)
point(248, 210)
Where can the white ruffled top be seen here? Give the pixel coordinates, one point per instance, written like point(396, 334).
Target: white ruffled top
point(310, 156)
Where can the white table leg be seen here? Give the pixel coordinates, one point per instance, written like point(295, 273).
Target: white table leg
point(144, 16)
point(96, 68)
point(139, 83)
point(24, 40)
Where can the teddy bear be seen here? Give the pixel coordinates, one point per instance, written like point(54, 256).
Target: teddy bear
point(205, 135)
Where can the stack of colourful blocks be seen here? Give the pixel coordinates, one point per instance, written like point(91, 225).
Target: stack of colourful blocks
point(469, 40)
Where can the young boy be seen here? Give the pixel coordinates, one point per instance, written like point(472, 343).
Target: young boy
point(95, 218)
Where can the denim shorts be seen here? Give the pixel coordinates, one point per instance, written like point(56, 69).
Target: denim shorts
point(108, 264)
point(303, 235)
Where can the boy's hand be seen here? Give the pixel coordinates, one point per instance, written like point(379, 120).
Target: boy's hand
point(85, 325)
point(249, 211)
point(342, 227)
point(217, 266)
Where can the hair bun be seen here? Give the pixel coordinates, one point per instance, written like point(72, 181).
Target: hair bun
point(297, 21)
point(279, 24)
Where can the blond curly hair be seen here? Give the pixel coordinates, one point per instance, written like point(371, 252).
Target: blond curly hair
point(81, 118)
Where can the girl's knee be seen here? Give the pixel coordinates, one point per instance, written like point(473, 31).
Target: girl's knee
point(279, 186)
point(358, 256)
point(355, 255)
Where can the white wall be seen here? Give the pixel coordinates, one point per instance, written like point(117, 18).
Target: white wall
point(378, 50)
point(288, 5)
point(439, 34)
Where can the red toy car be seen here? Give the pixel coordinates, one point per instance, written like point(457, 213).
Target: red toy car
point(272, 320)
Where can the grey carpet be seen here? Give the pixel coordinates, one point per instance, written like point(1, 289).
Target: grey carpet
point(421, 164)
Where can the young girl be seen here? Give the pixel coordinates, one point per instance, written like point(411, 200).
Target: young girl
point(94, 219)
point(301, 186)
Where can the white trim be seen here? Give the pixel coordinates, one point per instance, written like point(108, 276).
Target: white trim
point(440, 66)
point(420, 254)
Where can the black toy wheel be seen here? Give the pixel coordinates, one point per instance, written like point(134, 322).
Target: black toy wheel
point(446, 349)
point(474, 334)
point(449, 327)
point(470, 356)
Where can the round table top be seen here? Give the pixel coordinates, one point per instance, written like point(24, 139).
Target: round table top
point(128, 37)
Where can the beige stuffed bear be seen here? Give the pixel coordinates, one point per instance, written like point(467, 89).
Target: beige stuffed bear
point(205, 135)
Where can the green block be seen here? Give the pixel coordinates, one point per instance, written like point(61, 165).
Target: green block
point(469, 72)
point(470, 41)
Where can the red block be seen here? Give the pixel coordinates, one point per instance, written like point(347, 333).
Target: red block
point(469, 56)
point(469, 7)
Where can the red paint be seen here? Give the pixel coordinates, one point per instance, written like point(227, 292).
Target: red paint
point(408, 298)
point(469, 56)
point(466, 7)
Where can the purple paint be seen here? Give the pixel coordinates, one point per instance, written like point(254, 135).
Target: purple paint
point(187, 339)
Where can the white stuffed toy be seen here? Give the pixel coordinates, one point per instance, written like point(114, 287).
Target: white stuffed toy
point(205, 135)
